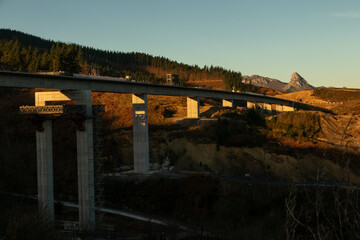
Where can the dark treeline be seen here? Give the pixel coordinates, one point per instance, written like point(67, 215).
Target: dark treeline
point(65, 57)
point(24, 52)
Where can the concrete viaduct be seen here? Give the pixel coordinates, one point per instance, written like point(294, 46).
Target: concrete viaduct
point(79, 88)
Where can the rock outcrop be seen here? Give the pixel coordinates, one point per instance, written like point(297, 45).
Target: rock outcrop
point(297, 83)
point(264, 82)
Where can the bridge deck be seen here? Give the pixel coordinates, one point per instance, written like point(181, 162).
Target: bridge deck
point(31, 80)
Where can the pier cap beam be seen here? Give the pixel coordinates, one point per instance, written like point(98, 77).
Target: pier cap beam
point(251, 105)
point(228, 103)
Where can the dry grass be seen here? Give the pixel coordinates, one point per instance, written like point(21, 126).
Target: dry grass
point(305, 96)
point(342, 157)
point(119, 108)
point(270, 91)
point(296, 124)
point(337, 94)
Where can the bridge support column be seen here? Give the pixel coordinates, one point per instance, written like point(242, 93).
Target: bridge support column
point(268, 107)
point(44, 155)
point(251, 105)
point(288, 109)
point(193, 107)
point(260, 106)
point(140, 133)
point(279, 108)
point(85, 164)
point(227, 103)
point(85, 157)
point(44, 158)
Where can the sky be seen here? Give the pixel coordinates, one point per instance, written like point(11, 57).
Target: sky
point(319, 39)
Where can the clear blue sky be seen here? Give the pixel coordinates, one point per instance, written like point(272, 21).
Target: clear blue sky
point(319, 39)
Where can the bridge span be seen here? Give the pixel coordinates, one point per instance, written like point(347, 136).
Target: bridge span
point(31, 80)
point(79, 88)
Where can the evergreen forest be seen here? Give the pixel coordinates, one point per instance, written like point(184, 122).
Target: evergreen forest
point(27, 53)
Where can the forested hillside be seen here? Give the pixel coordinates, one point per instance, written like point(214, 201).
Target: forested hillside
point(24, 52)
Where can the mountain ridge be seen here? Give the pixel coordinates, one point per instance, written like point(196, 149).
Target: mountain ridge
point(297, 83)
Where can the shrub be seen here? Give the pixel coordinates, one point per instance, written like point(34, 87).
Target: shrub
point(31, 227)
point(295, 124)
point(336, 95)
point(254, 117)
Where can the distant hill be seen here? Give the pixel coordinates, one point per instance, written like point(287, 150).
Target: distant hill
point(264, 82)
point(297, 83)
point(25, 52)
point(270, 91)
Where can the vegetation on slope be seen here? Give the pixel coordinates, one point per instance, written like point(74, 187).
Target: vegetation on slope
point(25, 52)
point(348, 99)
point(246, 211)
point(299, 125)
point(336, 95)
point(238, 143)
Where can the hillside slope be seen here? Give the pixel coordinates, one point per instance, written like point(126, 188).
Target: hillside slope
point(25, 52)
point(337, 100)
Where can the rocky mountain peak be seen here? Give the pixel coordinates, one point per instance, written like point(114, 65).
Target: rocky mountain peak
point(297, 83)
point(297, 79)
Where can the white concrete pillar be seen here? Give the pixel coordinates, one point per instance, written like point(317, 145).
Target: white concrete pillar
point(85, 165)
point(279, 108)
point(260, 106)
point(288, 109)
point(268, 107)
point(140, 133)
point(251, 105)
point(273, 108)
point(228, 103)
point(193, 107)
point(44, 156)
point(85, 157)
point(42, 97)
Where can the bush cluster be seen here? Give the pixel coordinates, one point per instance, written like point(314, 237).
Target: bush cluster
point(295, 124)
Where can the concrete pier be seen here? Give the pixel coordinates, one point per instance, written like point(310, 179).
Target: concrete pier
point(260, 106)
point(279, 108)
point(227, 103)
point(42, 97)
point(85, 164)
point(251, 105)
point(85, 157)
point(44, 156)
point(140, 133)
point(288, 109)
point(268, 107)
point(193, 107)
